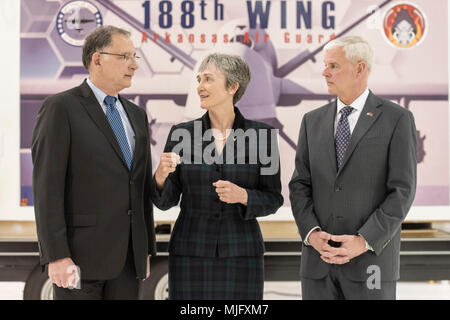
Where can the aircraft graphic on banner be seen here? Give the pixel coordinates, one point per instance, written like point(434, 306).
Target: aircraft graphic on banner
point(271, 87)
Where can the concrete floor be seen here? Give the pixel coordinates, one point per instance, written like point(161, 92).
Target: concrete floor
point(405, 291)
point(291, 291)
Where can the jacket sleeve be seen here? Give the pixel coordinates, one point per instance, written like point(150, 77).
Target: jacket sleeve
point(401, 181)
point(169, 196)
point(50, 154)
point(300, 187)
point(266, 198)
point(148, 205)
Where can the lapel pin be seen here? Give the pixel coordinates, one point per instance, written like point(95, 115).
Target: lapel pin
point(370, 114)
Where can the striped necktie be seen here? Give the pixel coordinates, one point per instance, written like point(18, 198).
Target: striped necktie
point(117, 126)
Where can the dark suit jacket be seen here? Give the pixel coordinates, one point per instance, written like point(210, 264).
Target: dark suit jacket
point(207, 226)
point(86, 200)
point(369, 195)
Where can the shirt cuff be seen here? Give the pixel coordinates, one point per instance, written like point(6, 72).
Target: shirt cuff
point(307, 236)
point(368, 246)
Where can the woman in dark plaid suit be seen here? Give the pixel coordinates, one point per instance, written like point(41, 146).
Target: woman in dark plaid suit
point(227, 170)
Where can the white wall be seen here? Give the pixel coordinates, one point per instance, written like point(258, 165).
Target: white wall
point(9, 113)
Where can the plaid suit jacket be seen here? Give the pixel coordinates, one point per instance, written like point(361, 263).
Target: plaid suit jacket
point(206, 226)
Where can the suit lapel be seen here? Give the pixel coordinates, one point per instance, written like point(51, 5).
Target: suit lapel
point(330, 115)
point(238, 156)
point(132, 117)
point(96, 113)
point(367, 118)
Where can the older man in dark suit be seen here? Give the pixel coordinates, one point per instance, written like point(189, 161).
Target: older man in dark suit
point(92, 178)
point(353, 184)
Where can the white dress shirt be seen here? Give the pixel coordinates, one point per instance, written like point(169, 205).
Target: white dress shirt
point(353, 117)
point(357, 105)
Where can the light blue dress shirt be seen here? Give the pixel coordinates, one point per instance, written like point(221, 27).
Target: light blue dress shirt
point(100, 95)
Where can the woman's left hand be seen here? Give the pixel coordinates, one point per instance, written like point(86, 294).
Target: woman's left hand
point(230, 193)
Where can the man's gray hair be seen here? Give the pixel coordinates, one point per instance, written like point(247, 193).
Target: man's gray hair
point(235, 69)
point(356, 49)
point(99, 39)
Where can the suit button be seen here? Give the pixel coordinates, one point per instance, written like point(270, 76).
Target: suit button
point(338, 189)
point(130, 212)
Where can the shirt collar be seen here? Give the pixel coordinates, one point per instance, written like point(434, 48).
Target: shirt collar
point(99, 94)
point(358, 104)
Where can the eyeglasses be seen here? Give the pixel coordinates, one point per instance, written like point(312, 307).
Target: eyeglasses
point(126, 56)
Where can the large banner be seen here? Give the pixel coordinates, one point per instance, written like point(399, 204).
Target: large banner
point(282, 40)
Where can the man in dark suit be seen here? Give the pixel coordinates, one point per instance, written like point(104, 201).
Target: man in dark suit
point(353, 184)
point(92, 178)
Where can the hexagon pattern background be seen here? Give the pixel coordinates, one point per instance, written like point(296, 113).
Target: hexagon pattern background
point(166, 87)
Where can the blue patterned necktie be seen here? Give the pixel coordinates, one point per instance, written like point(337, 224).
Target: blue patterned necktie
point(342, 134)
point(119, 131)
